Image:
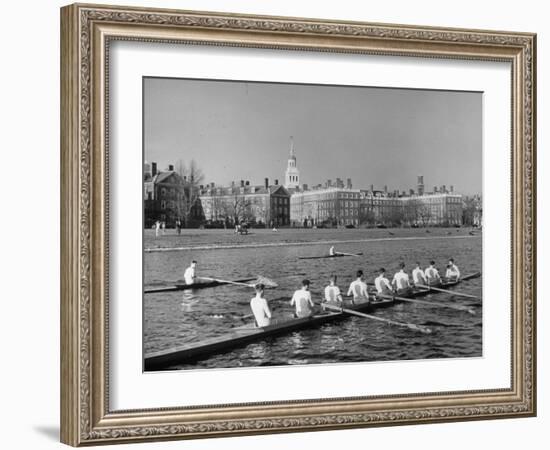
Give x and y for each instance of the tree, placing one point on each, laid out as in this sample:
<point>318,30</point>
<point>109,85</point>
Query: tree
<point>412,211</point>
<point>193,177</point>
<point>425,215</point>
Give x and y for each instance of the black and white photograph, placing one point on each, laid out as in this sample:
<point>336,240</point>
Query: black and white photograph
<point>295,224</point>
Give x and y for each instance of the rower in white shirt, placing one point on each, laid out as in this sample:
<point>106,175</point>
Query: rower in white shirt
<point>359,289</point>
<point>452,273</point>
<point>260,308</point>
<point>302,301</point>
<point>432,275</point>
<point>331,251</point>
<point>401,280</point>
<point>382,284</point>
<point>190,273</point>
<point>332,292</point>
<point>418,275</point>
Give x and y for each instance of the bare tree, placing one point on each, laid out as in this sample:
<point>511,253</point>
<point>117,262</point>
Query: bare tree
<point>425,215</point>
<point>193,177</point>
<point>412,211</point>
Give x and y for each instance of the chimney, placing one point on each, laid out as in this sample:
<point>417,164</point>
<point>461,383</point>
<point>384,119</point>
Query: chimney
<point>452,189</point>
<point>372,187</point>
<point>242,183</point>
<point>153,169</point>
<point>349,185</point>
<point>329,183</point>
<point>443,190</point>
<point>386,189</point>
<point>435,189</point>
<point>411,192</point>
<point>276,182</point>
<point>266,182</point>
<point>247,183</point>
<point>304,187</point>
<point>170,167</point>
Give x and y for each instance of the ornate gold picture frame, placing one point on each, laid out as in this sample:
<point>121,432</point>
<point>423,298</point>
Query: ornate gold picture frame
<point>87,31</point>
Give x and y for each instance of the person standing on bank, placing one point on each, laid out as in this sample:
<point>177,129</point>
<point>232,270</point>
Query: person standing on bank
<point>260,308</point>
<point>302,301</point>
<point>359,290</point>
<point>190,275</point>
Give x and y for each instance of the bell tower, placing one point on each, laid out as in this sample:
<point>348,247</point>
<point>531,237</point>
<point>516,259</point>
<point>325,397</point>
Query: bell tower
<point>292,174</point>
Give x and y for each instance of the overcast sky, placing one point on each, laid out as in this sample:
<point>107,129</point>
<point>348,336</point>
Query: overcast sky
<point>241,130</point>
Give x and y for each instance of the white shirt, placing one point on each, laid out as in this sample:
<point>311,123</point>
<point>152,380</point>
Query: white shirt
<point>452,272</point>
<point>332,293</point>
<point>303,302</point>
<point>382,284</point>
<point>331,251</point>
<point>359,290</point>
<point>432,273</point>
<point>401,280</point>
<point>261,311</point>
<point>189,275</point>
<point>418,276</point>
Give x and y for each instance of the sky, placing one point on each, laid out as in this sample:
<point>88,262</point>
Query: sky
<point>376,136</point>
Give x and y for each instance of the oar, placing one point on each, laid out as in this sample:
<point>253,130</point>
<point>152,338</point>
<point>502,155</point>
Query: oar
<point>423,302</point>
<point>411,326</point>
<point>260,280</point>
<point>461,294</point>
<point>348,254</point>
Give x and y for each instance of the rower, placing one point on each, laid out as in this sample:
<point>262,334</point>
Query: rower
<point>418,275</point>
<point>401,281</point>
<point>452,273</point>
<point>382,284</point>
<point>332,292</point>
<point>302,300</point>
<point>331,251</point>
<point>260,308</point>
<point>432,275</point>
<point>359,290</point>
<point>189,276</point>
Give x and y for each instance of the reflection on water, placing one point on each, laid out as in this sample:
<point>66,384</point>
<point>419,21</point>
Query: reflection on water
<point>181,317</point>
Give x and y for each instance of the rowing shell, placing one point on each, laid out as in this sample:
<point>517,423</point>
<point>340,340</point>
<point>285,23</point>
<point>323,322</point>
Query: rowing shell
<point>336,255</point>
<point>203,285</point>
<point>240,336</point>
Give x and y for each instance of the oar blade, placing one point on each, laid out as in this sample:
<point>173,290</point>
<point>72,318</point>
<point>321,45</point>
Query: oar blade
<point>267,282</point>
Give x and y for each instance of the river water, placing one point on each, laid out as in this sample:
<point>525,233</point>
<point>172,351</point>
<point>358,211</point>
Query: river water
<point>178,318</point>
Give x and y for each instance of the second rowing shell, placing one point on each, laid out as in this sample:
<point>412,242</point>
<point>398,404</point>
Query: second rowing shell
<point>184,287</point>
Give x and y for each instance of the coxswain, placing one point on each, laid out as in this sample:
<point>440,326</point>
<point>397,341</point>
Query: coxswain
<point>190,276</point>
<point>260,308</point>
<point>401,281</point>
<point>419,278</point>
<point>382,284</point>
<point>359,289</point>
<point>432,275</point>
<point>452,273</point>
<point>302,301</point>
<point>332,292</point>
